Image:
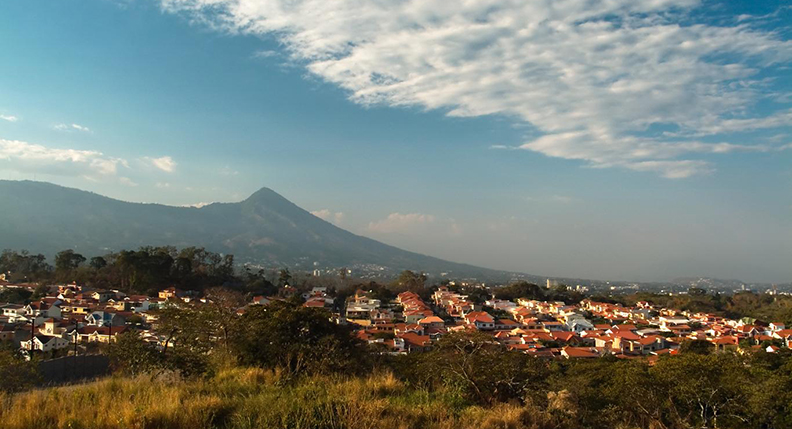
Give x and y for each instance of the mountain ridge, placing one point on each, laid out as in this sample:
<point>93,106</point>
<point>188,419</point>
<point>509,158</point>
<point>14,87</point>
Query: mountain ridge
<point>265,228</point>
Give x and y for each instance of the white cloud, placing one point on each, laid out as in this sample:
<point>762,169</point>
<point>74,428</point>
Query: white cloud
<point>72,127</point>
<point>162,185</point>
<point>400,223</point>
<point>127,181</point>
<point>265,54</point>
<point>165,163</point>
<point>333,217</point>
<point>590,75</point>
<point>29,157</point>
<point>9,118</point>
<point>228,171</point>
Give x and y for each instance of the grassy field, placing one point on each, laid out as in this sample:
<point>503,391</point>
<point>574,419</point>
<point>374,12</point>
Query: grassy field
<point>254,398</point>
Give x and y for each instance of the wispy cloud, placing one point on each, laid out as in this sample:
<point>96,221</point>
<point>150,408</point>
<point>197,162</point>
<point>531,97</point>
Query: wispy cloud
<point>336,218</point>
<point>265,54</point>
<point>72,127</point>
<point>165,163</point>
<point>400,223</point>
<point>590,76</point>
<point>228,171</point>
<point>126,181</point>
<point>29,157</point>
<point>9,118</point>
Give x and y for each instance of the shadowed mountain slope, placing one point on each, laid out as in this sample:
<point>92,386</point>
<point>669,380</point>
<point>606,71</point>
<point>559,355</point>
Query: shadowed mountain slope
<point>265,228</point>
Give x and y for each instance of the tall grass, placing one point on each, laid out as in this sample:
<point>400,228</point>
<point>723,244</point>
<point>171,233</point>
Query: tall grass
<point>242,398</point>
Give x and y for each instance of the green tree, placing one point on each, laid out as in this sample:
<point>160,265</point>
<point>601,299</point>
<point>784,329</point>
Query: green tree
<point>67,261</point>
<point>705,390</point>
<point>701,347</point>
<point>481,370</point>
<point>409,281</point>
<point>15,296</point>
<point>284,277</point>
<point>521,289</point>
<point>129,354</point>
<point>40,292</point>
<point>16,373</point>
<point>97,263</point>
<point>193,337</point>
<point>23,266</point>
<point>255,282</point>
<point>297,339</point>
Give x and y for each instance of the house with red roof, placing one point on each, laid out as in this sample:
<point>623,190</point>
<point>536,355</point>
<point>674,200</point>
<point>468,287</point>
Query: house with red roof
<point>432,322</point>
<point>481,320</point>
<point>580,353</point>
<point>416,343</point>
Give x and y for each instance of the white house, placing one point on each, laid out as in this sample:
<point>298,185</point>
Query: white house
<point>44,343</point>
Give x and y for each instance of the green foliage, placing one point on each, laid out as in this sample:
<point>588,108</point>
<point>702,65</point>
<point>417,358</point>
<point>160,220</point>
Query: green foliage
<point>410,281</point>
<point>67,261</point>
<point>15,372</point>
<point>297,339</point>
<point>24,266</point>
<point>523,289</point>
<point>284,277</point>
<point>477,295</point>
<point>479,370</point>
<point>699,347</point>
<point>97,263</point>
<point>705,390</point>
<point>40,292</point>
<point>192,333</point>
<point>15,296</point>
<point>129,354</point>
<point>256,283</point>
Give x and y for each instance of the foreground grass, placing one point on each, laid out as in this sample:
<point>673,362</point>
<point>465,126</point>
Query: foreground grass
<point>253,398</point>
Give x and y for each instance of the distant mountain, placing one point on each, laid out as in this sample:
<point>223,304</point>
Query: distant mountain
<point>265,228</point>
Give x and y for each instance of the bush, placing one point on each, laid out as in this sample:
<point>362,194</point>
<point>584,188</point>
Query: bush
<point>298,340</point>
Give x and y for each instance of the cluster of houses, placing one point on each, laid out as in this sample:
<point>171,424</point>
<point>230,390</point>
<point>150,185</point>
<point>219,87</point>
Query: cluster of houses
<point>555,329</point>
<point>70,318</point>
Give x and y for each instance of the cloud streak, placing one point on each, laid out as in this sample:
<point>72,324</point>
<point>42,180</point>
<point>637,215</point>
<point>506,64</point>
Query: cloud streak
<point>591,76</point>
<point>165,163</point>
<point>72,127</point>
<point>401,223</point>
<point>9,118</point>
<point>335,218</point>
<point>29,157</point>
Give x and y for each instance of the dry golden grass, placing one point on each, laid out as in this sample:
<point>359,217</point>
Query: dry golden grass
<point>241,398</point>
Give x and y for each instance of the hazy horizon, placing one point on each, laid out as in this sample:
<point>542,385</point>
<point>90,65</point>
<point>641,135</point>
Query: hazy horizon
<point>601,140</point>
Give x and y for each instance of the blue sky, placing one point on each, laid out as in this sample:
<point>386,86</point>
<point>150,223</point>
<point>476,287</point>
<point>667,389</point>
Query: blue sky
<point>613,140</point>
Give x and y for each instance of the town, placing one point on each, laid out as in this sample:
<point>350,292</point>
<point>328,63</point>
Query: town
<point>70,319</point>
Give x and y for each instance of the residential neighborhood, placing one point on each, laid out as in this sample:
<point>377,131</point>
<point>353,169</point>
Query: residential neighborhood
<point>71,319</point>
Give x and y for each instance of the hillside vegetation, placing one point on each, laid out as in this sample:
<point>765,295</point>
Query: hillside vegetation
<point>255,398</point>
